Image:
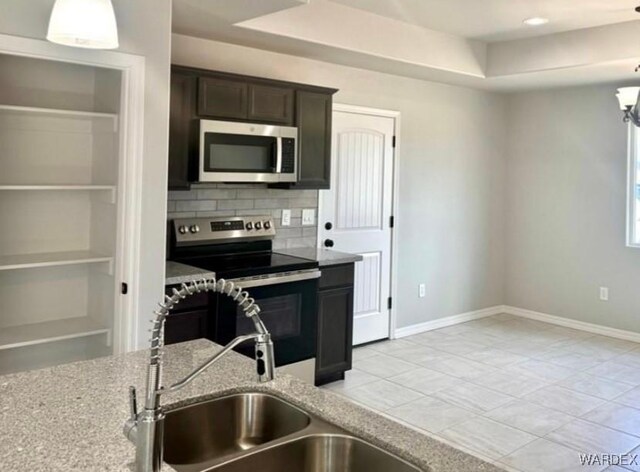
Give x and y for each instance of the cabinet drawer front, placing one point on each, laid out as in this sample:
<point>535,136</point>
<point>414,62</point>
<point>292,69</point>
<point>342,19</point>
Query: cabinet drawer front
<point>199,300</point>
<point>336,276</point>
<point>274,104</point>
<point>219,98</point>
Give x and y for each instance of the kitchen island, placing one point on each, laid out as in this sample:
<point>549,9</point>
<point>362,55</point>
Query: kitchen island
<point>70,417</point>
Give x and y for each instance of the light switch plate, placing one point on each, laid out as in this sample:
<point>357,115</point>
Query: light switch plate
<point>308,216</point>
<point>286,217</point>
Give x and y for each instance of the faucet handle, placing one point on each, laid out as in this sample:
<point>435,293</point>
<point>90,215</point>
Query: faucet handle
<point>133,403</point>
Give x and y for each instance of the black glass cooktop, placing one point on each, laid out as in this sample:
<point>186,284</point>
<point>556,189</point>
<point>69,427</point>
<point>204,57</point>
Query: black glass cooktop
<point>243,265</point>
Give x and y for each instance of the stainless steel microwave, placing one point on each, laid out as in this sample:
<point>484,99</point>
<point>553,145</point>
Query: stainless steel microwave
<point>247,152</point>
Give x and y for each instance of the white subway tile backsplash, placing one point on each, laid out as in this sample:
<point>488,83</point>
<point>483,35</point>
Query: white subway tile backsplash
<point>303,202</point>
<point>220,200</point>
<point>216,194</point>
<point>272,203</point>
<point>196,205</point>
<point>235,204</point>
<point>310,232</point>
<point>215,213</point>
<point>289,232</point>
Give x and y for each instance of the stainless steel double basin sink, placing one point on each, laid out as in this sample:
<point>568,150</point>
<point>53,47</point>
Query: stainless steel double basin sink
<point>257,432</point>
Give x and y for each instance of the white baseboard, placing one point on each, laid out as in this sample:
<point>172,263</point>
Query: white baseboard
<point>447,321</point>
<point>515,311</point>
<point>574,324</point>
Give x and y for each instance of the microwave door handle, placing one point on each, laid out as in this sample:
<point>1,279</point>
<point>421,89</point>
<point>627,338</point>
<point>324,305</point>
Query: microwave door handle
<point>278,155</point>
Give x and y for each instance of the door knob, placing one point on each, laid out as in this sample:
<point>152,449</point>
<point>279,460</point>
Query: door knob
<point>328,225</point>
<point>328,243</point>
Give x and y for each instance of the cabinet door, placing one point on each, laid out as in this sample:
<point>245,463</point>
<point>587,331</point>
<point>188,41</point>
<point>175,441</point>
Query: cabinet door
<point>313,118</point>
<point>181,147</point>
<point>335,331</point>
<point>271,104</point>
<point>186,326</point>
<point>222,98</point>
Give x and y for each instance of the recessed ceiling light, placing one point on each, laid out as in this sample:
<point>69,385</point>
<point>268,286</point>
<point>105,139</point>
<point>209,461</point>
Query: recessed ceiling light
<point>536,21</point>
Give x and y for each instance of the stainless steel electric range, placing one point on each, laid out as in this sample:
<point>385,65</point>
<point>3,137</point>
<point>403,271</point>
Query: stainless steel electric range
<point>285,287</point>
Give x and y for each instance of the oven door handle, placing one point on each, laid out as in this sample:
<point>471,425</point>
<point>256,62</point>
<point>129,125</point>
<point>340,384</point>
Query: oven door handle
<point>276,280</point>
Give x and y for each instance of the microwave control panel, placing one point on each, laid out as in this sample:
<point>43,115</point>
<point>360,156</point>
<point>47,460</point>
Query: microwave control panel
<point>288,155</point>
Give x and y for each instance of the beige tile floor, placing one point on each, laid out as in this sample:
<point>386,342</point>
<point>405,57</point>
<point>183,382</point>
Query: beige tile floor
<point>525,395</point>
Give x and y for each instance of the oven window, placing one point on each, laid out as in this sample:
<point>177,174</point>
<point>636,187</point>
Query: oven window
<point>281,316</point>
<point>239,153</point>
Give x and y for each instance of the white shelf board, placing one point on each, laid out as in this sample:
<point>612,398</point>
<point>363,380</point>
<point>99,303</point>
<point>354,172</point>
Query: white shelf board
<point>51,259</point>
<point>57,112</point>
<point>57,187</point>
<point>49,331</point>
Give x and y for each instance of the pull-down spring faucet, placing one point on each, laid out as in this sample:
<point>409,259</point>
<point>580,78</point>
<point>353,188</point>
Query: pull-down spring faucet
<point>145,428</point>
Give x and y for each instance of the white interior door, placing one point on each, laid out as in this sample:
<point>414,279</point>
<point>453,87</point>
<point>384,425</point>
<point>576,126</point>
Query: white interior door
<point>357,210</point>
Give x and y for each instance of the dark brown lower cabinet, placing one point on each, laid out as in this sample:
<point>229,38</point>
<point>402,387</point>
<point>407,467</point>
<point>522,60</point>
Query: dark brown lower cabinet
<point>186,326</point>
<point>335,323</point>
<point>189,320</point>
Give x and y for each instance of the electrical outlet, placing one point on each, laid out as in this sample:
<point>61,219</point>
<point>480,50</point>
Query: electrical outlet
<point>604,294</point>
<point>286,217</point>
<point>422,290</point>
<point>308,216</point>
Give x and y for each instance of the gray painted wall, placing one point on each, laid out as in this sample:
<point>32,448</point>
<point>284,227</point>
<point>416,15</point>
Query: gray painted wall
<point>450,223</point>
<point>213,200</point>
<point>566,203</point>
<point>145,29</point>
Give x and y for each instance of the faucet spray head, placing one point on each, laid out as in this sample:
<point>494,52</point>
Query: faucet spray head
<point>265,360</point>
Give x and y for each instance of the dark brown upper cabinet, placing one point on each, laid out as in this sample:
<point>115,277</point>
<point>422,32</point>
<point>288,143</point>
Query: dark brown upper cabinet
<point>220,98</point>
<point>241,100</point>
<point>313,117</point>
<point>203,94</point>
<point>181,132</point>
<point>272,104</point>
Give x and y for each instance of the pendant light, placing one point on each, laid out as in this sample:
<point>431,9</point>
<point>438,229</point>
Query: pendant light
<point>83,24</point>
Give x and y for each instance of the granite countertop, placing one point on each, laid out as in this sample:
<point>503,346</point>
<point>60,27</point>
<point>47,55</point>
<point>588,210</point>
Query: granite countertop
<point>324,257</point>
<point>70,417</point>
<point>177,273</point>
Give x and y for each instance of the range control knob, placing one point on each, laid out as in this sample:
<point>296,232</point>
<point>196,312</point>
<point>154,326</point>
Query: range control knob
<point>249,226</point>
<point>267,225</point>
<point>182,229</point>
<point>258,225</point>
<point>194,229</point>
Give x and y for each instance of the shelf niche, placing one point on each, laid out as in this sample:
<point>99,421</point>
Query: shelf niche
<point>59,155</point>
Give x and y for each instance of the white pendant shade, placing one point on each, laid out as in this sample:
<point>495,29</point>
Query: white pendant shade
<point>84,24</point>
<point>628,97</point>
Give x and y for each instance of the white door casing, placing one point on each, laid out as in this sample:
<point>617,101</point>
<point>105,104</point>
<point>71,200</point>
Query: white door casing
<point>359,206</point>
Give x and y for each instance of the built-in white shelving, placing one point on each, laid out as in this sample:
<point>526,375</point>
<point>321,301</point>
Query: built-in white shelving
<point>58,187</point>
<point>49,331</point>
<point>57,112</point>
<point>59,211</point>
<point>51,259</point>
